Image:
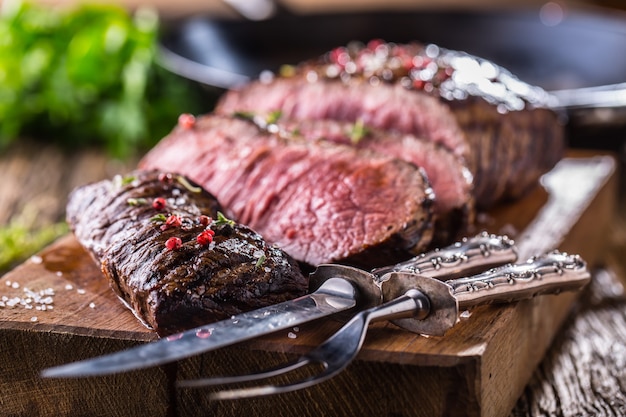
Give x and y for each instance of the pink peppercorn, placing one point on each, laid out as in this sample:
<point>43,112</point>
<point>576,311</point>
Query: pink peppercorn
<point>205,237</point>
<point>173,243</point>
<point>186,120</point>
<point>204,220</point>
<point>158,203</point>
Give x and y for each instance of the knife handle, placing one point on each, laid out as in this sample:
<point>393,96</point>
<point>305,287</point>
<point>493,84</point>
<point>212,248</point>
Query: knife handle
<point>551,273</point>
<point>470,255</point>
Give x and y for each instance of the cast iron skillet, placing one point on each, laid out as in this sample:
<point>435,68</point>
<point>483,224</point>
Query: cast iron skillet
<point>581,58</point>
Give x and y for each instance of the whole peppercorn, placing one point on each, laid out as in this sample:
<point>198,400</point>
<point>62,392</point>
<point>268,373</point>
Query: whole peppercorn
<point>173,243</point>
<point>158,203</point>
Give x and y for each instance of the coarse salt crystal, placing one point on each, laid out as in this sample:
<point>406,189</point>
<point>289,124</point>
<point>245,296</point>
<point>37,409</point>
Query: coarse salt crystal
<point>34,319</point>
<point>92,305</point>
<point>59,273</point>
<point>2,304</point>
<point>36,259</point>
<point>81,291</point>
<point>291,335</point>
<point>8,283</point>
<point>15,285</point>
<point>69,287</point>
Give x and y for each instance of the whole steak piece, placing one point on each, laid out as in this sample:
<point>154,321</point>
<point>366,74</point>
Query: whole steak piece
<point>498,125</point>
<point>320,202</point>
<point>172,257</point>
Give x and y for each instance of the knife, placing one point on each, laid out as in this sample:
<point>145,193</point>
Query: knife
<point>336,288</point>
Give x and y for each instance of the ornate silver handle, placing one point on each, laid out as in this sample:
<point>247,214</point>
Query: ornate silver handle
<point>470,255</point>
<point>551,273</point>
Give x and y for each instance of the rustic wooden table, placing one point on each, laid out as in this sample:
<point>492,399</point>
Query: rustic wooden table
<point>583,374</point>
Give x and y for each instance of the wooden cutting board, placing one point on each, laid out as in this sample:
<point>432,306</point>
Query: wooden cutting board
<point>64,311</point>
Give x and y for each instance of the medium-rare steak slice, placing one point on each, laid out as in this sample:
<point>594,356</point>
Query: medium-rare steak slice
<point>319,202</point>
<point>449,177</point>
<point>499,125</point>
<point>172,257</point>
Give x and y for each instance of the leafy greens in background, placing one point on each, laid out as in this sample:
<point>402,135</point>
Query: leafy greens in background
<point>87,75</point>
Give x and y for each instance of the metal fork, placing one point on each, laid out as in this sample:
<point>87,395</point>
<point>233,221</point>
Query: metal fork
<point>422,305</point>
<point>334,354</point>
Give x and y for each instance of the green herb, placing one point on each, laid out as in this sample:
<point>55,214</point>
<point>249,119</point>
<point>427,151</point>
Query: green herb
<point>358,131</point>
<point>260,262</point>
<point>158,218</point>
<point>87,75</point>
<point>246,115</point>
<point>185,183</point>
<point>136,201</point>
<point>19,240</point>
<point>273,117</point>
<point>223,220</point>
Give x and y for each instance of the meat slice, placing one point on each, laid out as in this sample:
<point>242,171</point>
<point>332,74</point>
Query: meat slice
<point>498,125</point>
<point>319,202</point>
<point>130,226</point>
<point>450,179</point>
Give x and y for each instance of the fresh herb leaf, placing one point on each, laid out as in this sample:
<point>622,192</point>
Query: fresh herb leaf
<point>185,183</point>
<point>273,117</point>
<point>223,220</point>
<point>260,262</point>
<point>158,218</point>
<point>18,240</point>
<point>358,131</point>
<point>87,75</point>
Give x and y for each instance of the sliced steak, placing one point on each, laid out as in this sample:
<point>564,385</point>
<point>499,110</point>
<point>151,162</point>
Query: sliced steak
<point>132,236</point>
<point>498,125</point>
<point>319,202</point>
<point>450,178</point>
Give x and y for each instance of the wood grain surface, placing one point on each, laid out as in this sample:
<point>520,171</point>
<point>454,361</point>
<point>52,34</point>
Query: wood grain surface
<point>582,373</point>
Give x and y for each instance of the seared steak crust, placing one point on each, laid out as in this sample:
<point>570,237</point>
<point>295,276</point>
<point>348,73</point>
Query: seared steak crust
<point>319,202</point>
<point>176,288</point>
<point>499,126</point>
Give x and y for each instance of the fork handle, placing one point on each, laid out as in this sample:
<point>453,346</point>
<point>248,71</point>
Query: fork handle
<point>551,273</point>
<point>470,255</point>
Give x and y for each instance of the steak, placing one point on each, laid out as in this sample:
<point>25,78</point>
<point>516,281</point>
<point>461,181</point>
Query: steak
<point>499,126</point>
<point>450,179</point>
<point>131,226</point>
<point>320,202</point>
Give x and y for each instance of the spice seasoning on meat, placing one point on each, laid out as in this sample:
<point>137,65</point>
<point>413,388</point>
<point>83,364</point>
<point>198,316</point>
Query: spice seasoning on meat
<point>173,243</point>
<point>158,203</point>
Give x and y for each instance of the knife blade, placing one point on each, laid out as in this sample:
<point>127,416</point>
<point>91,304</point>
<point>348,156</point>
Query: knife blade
<point>335,288</point>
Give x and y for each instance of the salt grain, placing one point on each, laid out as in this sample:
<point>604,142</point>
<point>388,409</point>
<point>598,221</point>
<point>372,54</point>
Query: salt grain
<point>36,259</point>
<point>465,315</point>
<point>69,287</point>
<point>15,285</point>
<point>92,305</point>
<point>34,319</point>
<point>8,283</point>
<point>59,273</point>
<point>81,291</point>
<point>292,335</point>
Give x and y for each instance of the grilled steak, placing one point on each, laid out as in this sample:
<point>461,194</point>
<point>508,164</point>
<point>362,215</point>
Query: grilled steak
<point>450,179</point>
<point>499,126</point>
<point>320,202</point>
<point>218,268</point>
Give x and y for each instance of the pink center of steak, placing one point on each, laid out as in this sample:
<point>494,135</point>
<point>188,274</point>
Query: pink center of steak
<point>320,203</point>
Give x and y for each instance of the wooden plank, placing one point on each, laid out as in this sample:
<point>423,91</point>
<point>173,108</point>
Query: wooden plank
<point>479,369</point>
